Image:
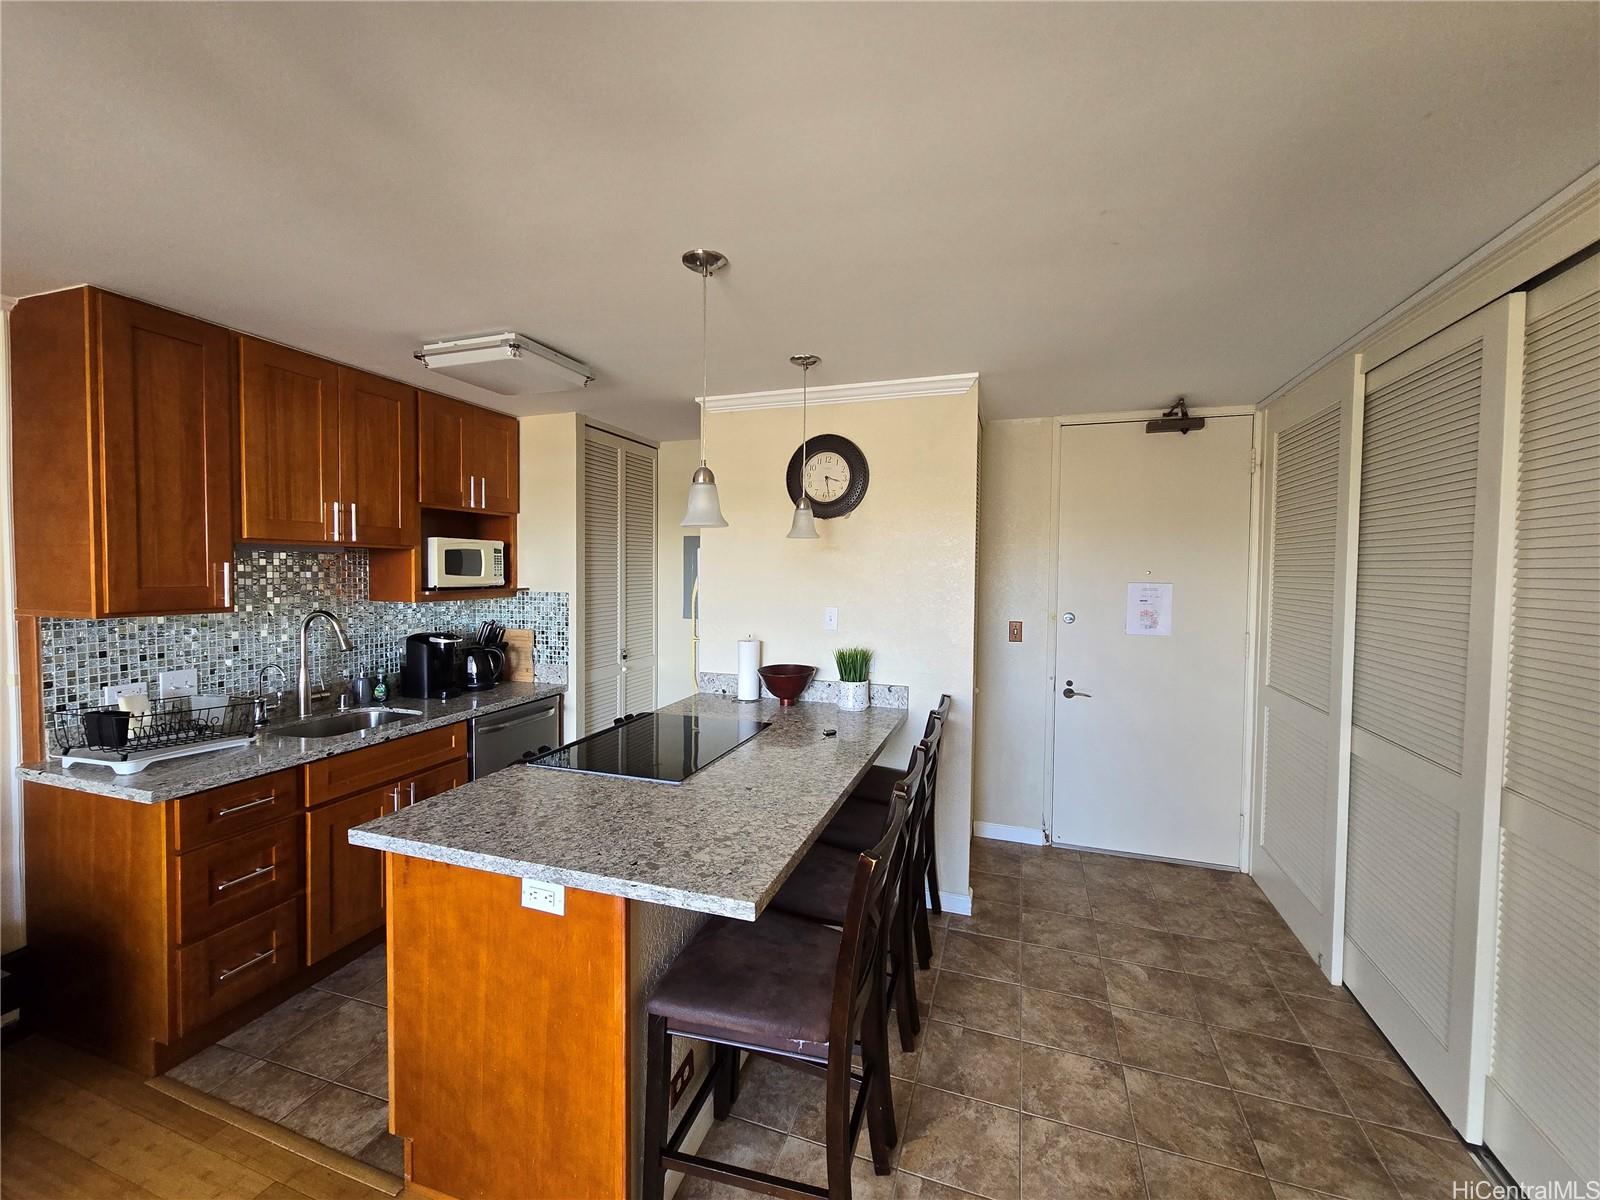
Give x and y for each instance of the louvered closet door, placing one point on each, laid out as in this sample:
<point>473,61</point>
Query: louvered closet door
<point>1298,852</point>
<point>1430,631</point>
<point>619,579</point>
<point>638,579</point>
<point>1542,1107</point>
<point>602,583</point>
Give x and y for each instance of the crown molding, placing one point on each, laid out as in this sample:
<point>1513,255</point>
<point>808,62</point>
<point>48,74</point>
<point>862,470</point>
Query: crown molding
<point>846,393</point>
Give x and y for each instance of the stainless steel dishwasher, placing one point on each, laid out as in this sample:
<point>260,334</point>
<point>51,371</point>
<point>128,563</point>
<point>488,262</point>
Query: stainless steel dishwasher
<point>499,739</point>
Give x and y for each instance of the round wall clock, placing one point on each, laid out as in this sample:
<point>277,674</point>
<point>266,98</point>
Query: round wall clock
<point>835,473</point>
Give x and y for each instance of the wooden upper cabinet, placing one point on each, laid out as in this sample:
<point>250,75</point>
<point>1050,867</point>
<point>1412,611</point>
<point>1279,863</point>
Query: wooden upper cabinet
<point>377,460</point>
<point>468,457</point>
<point>289,444</point>
<point>122,458</point>
<point>441,451</point>
<point>495,443</point>
<point>328,453</point>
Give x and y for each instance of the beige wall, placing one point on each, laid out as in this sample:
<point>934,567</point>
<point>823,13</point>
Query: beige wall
<point>901,570</point>
<point>548,527</point>
<point>674,667</point>
<point>1015,562</point>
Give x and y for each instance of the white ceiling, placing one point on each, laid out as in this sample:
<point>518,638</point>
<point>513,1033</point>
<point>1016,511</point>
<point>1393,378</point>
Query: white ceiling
<point>1095,206</point>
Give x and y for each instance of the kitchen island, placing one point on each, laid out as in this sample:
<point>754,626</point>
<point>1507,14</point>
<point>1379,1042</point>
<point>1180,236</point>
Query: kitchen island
<point>516,1034</point>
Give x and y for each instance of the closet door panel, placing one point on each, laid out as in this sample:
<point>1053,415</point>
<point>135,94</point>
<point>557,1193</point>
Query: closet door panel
<point>1543,1094</point>
<point>1430,633</point>
<point>602,584</point>
<point>639,579</point>
<point>1302,693</point>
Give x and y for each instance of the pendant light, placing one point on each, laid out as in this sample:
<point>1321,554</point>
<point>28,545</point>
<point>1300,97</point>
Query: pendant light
<point>803,525</point>
<point>704,510</point>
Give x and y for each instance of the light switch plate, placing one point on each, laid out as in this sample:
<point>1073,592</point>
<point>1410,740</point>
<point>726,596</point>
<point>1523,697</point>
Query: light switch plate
<point>116,691</point>
<point>830,618</point>
<point>178,683</point>
<point>1016,631</point>
<point>544,897</point>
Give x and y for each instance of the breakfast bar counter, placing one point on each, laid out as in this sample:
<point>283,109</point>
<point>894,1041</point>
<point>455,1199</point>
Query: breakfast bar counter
<point>515,1030</point>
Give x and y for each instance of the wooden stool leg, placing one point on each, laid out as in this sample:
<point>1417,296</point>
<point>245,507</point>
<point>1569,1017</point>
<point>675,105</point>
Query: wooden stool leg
<point>657,1072</point>
<point>725,1062</point>
<point>881,1131</point>
<point>933,870</point>
<point>905,985</point>
<point>836,1123</point>
<point>919,910</point>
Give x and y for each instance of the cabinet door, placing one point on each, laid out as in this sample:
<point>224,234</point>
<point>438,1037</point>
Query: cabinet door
<point>168,461</point>
<point>344,883</point>
<point>426,784</point>
<point>441,448</point>
<point>377,460</point>
<point>289,444</point>
<point>492,457</point>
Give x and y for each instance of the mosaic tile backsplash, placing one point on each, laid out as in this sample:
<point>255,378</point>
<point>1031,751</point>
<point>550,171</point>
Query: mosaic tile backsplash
<point>273,591</point>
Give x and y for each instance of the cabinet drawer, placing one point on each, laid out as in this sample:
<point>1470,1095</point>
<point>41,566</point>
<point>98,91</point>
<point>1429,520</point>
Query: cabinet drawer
<point>225,811</point>
<point>362,769</point>
<point>242,961</point>
<point>230,880</point>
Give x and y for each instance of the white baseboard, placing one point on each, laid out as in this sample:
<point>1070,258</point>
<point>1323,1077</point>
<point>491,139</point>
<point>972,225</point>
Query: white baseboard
<point>959,903</point>
<point>1027,835</point>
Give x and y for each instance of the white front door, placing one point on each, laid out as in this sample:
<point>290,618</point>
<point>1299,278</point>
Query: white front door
<point>1150,724</point>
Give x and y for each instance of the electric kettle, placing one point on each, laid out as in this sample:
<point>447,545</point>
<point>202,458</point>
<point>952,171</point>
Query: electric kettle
<point>484,665</point>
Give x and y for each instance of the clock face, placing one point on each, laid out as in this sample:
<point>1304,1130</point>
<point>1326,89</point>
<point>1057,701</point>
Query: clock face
<point>834,475</point>
<point>827,477</point>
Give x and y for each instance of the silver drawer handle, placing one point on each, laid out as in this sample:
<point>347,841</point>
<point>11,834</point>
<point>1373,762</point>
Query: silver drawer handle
<point>256,874</point>
<point>228,812</point>
<point>224,976</point>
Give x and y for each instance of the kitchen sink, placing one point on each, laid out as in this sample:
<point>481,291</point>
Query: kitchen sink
<point>333,724</point>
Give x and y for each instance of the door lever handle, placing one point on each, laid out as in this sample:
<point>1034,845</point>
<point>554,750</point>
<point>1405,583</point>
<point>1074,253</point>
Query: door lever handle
<point>1072,693</point>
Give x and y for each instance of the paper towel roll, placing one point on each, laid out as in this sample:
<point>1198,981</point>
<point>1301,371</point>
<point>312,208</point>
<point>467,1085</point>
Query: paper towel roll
<point>749,664</point>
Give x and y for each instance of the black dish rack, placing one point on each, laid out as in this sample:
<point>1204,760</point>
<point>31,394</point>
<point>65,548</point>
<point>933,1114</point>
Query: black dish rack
<point>169,725</point>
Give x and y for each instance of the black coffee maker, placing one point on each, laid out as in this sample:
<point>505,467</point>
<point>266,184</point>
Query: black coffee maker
<point>434,666</point>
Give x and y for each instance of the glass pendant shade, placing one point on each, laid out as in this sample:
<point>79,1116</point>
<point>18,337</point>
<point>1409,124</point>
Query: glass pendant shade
<point>803,525</point>
<point>704,510</point>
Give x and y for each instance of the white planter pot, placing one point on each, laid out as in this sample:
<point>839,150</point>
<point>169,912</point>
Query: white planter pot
<point>854,697</point>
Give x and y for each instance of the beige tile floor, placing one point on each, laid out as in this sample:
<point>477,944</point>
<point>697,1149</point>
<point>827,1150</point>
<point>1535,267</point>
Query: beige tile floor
<point>317,1064</point>
<point>1111,1028</point>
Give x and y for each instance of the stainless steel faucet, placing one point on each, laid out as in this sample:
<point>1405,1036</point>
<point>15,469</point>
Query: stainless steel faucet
<point>264,707</point>
<point>303,693</point>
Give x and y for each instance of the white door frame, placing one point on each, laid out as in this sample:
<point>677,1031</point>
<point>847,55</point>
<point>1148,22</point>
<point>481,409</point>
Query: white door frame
<point>1251,583</point>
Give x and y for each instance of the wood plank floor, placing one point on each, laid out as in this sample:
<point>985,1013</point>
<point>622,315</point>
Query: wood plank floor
<point>73,1126</point>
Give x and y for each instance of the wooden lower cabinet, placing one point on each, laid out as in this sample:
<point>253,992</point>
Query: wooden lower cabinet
<point>157,928</point>
<point>238,964</point>
<point>344,883</point>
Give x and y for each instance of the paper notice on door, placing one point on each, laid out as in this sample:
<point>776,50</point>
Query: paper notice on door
<point>1149,610</point>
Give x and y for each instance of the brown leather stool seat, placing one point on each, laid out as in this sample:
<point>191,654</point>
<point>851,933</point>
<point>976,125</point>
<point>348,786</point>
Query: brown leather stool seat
<point>819,889</point>
<point>878,784</point>
<point>765,983</point>
<point>857,825</point>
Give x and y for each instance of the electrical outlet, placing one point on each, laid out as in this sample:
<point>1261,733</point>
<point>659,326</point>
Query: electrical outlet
<point>1016,631</point>
<point>830,619</point>
<point>116,691</point>
<point>544,897</point>
<point>681,1079</point>
<point>178,683</point>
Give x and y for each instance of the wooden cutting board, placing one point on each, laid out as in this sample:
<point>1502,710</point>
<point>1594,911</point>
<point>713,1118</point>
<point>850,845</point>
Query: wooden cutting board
<point>519,645</point>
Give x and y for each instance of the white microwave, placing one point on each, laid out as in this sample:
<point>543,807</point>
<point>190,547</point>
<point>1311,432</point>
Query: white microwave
<point>465,563</point>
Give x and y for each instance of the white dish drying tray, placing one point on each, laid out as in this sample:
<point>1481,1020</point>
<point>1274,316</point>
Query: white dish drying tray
<point>129,741</point>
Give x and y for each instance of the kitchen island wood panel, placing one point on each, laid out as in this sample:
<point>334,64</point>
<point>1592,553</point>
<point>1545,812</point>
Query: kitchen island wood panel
<point>508,1030</point>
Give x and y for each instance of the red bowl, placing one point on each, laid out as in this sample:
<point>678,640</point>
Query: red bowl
<point>787,680</point>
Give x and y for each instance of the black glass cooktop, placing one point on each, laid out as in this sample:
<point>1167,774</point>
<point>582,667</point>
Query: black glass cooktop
<point>664,747</point>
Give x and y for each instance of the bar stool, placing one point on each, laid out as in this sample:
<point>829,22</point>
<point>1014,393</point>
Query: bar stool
<point>860,821</point>
<point>819,890</point>
<point>795,991</point>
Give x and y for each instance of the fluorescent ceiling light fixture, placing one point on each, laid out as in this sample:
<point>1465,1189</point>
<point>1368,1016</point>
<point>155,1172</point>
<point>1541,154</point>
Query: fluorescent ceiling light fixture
<point>508,364</point>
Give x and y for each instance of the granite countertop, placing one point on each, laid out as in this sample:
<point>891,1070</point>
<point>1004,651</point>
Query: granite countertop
<point>721,842</point>
<point>184,776</point>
